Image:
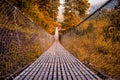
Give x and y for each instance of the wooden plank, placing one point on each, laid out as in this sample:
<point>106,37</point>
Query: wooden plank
<point>42,70</point>
<point>47,71</point>
<point>25,73</point>
<point>39,71</point>
<point>59,70</point>
<point>70,69</point>
<point>64,76</point>
<point>81,75</point>
<point>55,69</point>
<point>57,64</point>
<point>87,72</point>
<point>51,70</point>
<point>77,73</point>
<point>33,72</point>
<point>67,71</point>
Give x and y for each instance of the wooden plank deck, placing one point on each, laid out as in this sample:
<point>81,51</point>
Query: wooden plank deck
<point>57,64</point>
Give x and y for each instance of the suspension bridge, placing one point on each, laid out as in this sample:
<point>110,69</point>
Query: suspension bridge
<point>19,37</point>
<point>57,64</point>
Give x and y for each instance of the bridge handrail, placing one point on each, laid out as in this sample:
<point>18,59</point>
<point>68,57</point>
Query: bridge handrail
<point>90,15</point>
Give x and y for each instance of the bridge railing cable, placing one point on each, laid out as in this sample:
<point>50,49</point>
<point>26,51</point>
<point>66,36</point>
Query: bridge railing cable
<point>96,40</point>
<point>21,40</point>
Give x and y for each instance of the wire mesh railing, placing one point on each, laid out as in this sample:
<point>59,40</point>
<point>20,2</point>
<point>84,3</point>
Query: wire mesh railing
<point>21,40</point>
<point>96,40</point>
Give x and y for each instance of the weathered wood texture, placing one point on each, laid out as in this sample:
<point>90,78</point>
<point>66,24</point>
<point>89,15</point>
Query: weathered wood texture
<point>57,64</point>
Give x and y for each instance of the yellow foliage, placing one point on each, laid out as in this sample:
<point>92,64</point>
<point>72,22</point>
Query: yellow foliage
<point>92,47</point>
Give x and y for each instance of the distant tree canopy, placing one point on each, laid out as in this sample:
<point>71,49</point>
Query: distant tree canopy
<point>42,12</point>
<point>74,10</point>
<point>78,7</point>
<point>112,31</point>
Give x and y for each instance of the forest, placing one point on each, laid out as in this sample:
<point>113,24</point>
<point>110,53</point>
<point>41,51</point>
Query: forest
<point>95,42</point>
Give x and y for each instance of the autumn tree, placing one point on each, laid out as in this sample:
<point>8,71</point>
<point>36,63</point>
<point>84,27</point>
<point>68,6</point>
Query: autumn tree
<point>42,12</point>
<point>112,30</point>
<point>74,10</point>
